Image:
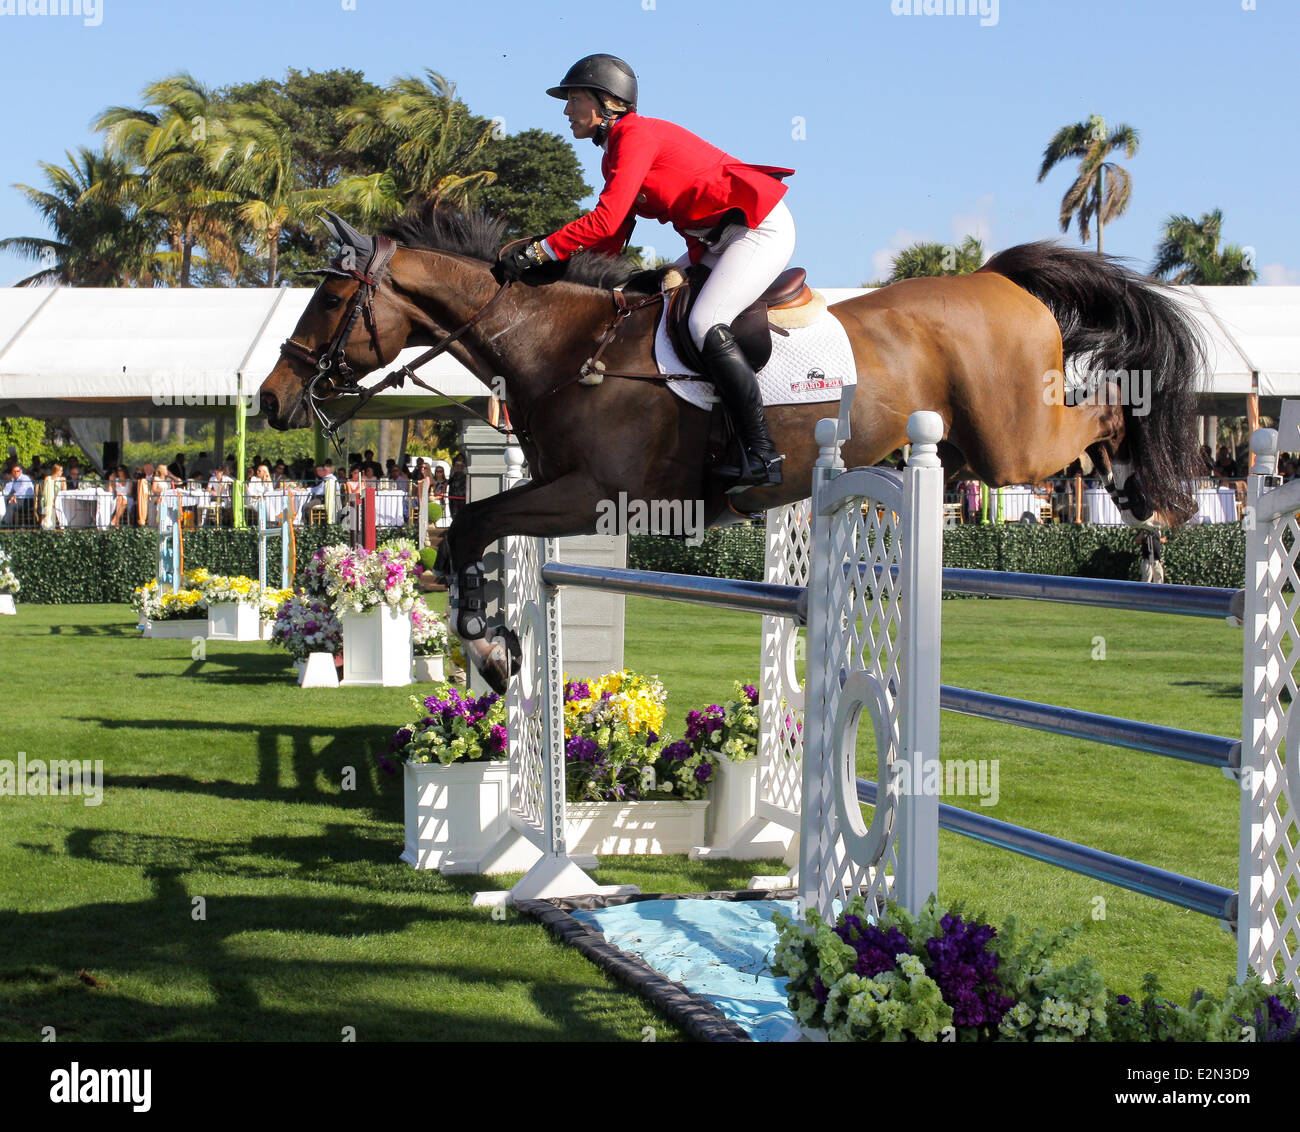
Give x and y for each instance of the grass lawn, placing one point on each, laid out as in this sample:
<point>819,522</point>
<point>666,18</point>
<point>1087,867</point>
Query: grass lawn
<point>224,781</point>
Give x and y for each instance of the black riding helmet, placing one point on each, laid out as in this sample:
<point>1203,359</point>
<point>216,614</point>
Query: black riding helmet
<point>607,74</point>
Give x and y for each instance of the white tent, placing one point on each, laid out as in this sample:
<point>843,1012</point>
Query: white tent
<point>173,352</point>
<point>83,351</point>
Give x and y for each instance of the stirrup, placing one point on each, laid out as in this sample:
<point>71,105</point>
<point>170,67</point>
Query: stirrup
<point>757,473</point>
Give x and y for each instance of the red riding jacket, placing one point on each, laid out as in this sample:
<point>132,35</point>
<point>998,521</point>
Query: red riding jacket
<point>658,170</point>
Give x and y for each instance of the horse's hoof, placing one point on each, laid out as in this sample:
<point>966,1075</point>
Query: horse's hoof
<point>510,639</point>
<point>492,659</point>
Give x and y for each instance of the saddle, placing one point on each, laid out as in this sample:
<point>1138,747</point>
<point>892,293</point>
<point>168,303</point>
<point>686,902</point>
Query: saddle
<point>752,328</point>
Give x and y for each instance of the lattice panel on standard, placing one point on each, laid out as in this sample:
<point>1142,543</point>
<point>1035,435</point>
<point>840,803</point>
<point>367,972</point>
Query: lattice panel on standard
<point>1269,903</point>
<point>781,703</point>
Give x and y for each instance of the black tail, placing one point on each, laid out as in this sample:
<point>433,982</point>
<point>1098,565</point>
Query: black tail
<point>1125,321</point>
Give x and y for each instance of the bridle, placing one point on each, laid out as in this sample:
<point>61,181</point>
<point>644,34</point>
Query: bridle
<point>333,377</point>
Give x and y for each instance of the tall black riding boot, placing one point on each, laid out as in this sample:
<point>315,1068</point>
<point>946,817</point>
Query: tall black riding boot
<point>729,370</point>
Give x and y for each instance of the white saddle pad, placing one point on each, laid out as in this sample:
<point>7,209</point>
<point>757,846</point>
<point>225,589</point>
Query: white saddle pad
<point>812,365</point>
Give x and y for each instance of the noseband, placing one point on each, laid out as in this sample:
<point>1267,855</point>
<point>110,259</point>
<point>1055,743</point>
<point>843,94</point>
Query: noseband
<point>333,377</point>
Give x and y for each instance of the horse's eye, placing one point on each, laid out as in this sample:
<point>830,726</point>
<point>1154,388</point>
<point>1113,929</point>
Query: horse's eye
<point>329,302</point>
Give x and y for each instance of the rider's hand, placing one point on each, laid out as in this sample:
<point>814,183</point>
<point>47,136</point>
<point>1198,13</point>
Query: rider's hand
<point>519,257</point>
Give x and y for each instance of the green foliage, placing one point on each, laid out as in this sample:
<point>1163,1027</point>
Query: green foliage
<point>1189,253</point>
<point>61,567</point>
<point>927,259</point>
<point>725,552</point>
<point>538,182</point>
<point>1211,554</point>
<point>25,435</point>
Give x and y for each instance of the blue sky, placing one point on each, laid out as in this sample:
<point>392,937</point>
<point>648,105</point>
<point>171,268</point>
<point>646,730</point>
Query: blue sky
<point>901,126</point>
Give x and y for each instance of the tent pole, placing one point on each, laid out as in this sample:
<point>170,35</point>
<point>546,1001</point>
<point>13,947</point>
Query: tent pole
<point>241,432</point>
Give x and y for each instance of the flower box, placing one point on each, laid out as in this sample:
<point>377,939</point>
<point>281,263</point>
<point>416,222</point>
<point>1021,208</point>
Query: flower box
<point>458,819</point>
<point>634,827</point>
<point>429,669</point>
<point>234,621</point>
<point>319,670</point>
<point>7,603</point>
<point>267,628</point>
<point>181,629</point>
<point>377,648</point>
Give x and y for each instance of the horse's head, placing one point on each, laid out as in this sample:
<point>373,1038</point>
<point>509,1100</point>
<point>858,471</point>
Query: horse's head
<point>353,325</point>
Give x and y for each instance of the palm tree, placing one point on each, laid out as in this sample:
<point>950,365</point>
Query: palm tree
<point>1188,252</point>
<point>254,155</point>
<point>1092,196</point>
<point>167,138</point>
<point>432,142</point>
<point>100,237</point>
<point>922,259</point>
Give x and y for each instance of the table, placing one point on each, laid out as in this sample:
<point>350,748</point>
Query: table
<point>84,507</point>
<point>390,507</point>
<point>1099,507</point>
<point>1017,500</point>
<point>1215,505</point>
<point>297,499</point>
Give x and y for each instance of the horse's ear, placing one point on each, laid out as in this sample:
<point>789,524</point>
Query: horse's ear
<point>346,235</point>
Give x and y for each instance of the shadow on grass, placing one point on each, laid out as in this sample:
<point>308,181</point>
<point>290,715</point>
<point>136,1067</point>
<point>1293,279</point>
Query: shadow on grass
<point>345,749</point>
<point>71,630</point>
<point>158,941</point>
<point>1220,689</point>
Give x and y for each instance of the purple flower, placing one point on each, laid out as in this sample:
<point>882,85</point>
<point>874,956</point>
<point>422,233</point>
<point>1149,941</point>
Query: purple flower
<point>679,750</point>
<point>497,739</point>
<point>751,693</point>
<point>703,772</point>
<point>1122,999</point>
<point>580,749</point>
<point>577,690</point>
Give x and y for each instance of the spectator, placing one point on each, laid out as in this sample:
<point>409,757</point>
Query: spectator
<point>279,474</point>
<point>19,496</point>
<point>202,467</point>
<point>51,485</point>
<point>178,466</point>
<point>1152,567</point>
<point>74,475</point>
<point>456,486</point>
<point>119,483</point>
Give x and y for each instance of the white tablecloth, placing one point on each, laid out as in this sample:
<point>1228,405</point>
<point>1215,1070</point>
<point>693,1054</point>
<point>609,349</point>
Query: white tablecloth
<point>297,499</point>
<point>1215,505</point>
<point>1099,507</point>
<point>84,507</point>
<point>390,508</point>
<point>1018,499</point>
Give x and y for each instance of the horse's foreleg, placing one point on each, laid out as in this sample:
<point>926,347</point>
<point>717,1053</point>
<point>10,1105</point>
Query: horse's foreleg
<point>565,506</point>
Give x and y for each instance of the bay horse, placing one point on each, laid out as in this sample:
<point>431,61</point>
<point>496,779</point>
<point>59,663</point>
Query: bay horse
<point>988,351</point>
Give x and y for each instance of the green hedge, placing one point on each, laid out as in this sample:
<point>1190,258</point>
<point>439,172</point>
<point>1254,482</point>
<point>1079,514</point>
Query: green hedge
<point>59,567</point>
<point>724,552</point>
<point>105,566</point>
<point>1212,554</point>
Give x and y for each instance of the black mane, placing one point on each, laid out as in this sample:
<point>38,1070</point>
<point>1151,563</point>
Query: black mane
<point>475,234</point>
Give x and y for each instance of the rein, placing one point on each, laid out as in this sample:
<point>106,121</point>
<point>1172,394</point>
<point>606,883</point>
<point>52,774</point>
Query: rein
<point>333,356</point>
<point>324,387</point>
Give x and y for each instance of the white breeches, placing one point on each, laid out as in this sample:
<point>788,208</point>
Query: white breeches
<point>744,264</point>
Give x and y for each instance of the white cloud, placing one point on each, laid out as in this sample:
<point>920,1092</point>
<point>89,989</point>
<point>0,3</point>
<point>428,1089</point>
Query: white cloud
<point>977,222</point>
<point>882,261</point>
<point>1279,275</point>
